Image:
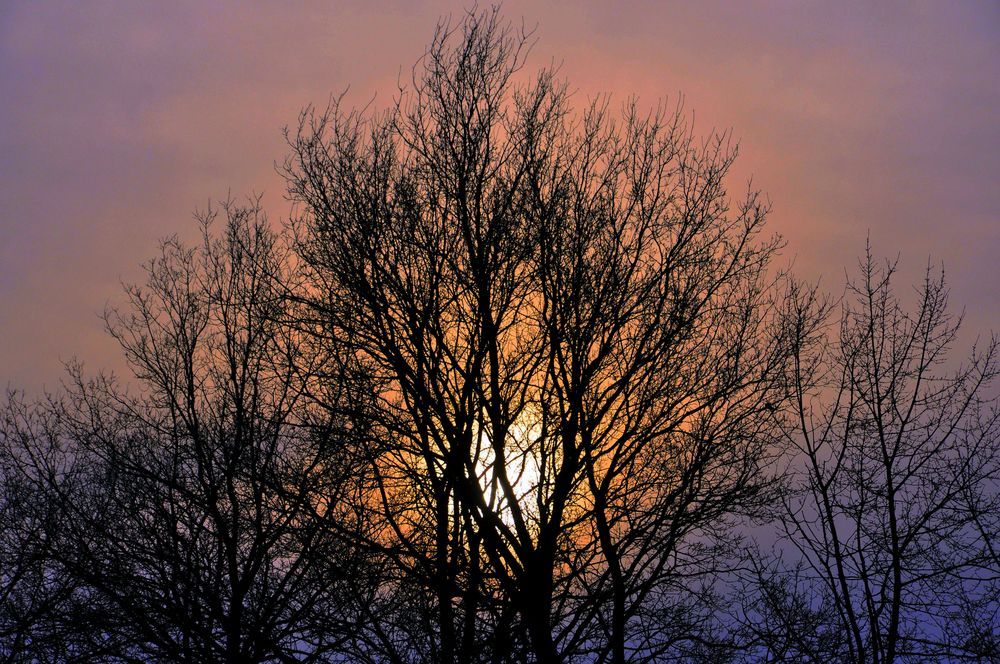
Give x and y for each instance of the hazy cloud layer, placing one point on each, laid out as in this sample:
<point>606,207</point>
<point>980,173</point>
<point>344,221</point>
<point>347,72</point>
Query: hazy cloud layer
<point>117,120</point>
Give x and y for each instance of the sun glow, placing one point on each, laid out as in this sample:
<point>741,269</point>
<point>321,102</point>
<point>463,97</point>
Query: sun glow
<point>512,464</point>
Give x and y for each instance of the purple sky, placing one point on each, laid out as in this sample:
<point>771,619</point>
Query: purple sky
<point>118,119</point>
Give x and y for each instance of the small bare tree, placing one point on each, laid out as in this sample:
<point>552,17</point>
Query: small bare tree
<point>201,515</point>
<point>36,596</point>
<point>893,520</point>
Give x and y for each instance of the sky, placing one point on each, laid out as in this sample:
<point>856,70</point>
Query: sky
<point>118,120</point>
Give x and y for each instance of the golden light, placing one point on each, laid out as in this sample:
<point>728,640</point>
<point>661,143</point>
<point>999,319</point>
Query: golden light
<point>517,463</point>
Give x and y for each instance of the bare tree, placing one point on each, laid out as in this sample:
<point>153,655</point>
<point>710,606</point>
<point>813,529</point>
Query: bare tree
<point>201,514</point>
<point>900,470</point>
<point>577,342</point>
<point>35,595</point>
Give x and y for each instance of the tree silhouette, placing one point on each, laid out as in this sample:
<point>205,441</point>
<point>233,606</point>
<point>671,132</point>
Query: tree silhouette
<point>196,513</point>
<point>37,597</point>
<point>577,344</point>
<point>899,468</point>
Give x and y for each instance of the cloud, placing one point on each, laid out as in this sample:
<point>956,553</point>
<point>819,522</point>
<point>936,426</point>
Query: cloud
<point>118,120</point>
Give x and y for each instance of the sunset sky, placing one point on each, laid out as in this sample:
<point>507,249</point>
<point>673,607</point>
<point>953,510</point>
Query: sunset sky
<point>119,119</point>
